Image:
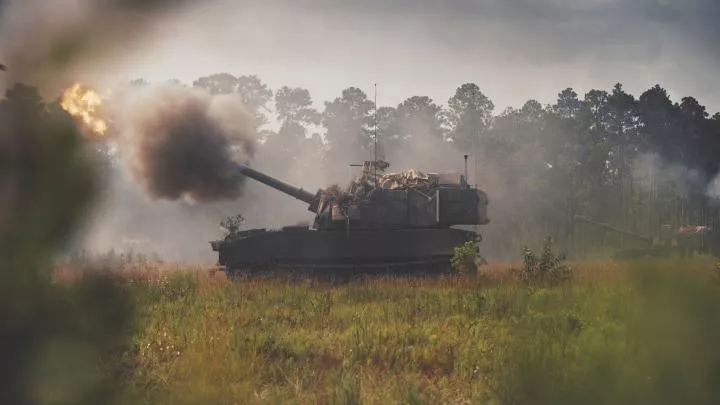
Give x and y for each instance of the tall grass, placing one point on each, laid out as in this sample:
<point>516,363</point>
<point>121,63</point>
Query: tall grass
<point>645,333</point>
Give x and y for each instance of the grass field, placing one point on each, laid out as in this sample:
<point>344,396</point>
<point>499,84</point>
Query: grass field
<point>615,334</point>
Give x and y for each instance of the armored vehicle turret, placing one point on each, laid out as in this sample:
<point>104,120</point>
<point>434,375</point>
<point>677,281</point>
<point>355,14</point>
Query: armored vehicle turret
<point>397,222</point>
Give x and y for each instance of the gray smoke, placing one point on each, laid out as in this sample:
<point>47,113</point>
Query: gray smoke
<point>180,142</point>
<point>170,184</point>
<point>50,44</point>
<point>44,42</point>
<point>713,189</point>
<point>650,170</point>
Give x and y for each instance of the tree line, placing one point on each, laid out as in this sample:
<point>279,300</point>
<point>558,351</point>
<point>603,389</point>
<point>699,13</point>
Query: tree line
<point>635,162</point>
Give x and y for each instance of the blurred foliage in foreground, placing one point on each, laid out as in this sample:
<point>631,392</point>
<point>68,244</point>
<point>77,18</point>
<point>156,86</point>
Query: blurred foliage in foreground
<point>56,342</point>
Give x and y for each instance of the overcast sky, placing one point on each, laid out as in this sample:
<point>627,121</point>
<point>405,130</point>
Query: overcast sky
<point>513,49</point>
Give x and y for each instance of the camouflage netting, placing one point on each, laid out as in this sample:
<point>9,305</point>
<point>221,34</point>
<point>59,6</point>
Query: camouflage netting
<point>409,178</point>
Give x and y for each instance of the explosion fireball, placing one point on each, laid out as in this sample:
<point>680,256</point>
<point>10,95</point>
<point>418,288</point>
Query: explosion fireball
<point>83,103</point>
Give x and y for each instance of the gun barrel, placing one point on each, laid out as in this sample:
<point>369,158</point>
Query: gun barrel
<point>296,192</point>
<point>645,238</point>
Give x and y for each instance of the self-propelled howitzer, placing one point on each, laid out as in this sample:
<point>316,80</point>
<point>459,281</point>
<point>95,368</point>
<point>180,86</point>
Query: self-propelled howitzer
<point>396,221</point>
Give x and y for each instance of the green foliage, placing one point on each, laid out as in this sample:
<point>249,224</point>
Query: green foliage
<point>232,225</point>
<point>58,344</point>
<point>347,121</point>
<point>469,113</point>
<point>254,94</point>
<point>291,150</point>
<point>465,258</point>
<point>547,269</point>
<point>653,342</point>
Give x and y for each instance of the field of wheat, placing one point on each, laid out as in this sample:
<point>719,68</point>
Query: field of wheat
<point>615,333</point>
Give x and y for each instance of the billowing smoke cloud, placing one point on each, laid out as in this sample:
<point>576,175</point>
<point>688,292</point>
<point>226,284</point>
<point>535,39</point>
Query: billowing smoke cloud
<point>181,142</point>
<point>50,44</point>
<point>170,182</point>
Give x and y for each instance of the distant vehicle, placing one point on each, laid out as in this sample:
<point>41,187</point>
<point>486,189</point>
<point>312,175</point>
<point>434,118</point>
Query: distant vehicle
<point>684,241</point>
<point>382,222</point>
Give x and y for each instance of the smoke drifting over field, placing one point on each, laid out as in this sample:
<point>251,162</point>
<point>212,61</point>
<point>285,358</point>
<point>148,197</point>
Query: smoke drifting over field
<point>713,188</point>
<point>177,141</point>
<point>650,169</point>
<point>171,181</point>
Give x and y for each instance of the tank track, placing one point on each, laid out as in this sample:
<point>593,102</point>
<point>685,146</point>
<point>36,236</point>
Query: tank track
<point>345,271</point>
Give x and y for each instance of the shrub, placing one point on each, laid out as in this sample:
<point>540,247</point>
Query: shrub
<point>549,268</point>
<point>232,225</point>
<point>654,343</point>
<point>465,258</point>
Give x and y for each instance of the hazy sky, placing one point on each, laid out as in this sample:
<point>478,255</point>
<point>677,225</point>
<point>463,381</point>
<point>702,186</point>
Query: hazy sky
<point>513,49</point>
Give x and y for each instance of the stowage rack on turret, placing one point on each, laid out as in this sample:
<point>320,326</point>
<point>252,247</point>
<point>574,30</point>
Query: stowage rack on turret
<point>397,222</point>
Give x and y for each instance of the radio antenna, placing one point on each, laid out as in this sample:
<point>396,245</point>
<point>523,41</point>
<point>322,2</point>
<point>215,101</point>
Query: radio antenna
<point>375,138</point>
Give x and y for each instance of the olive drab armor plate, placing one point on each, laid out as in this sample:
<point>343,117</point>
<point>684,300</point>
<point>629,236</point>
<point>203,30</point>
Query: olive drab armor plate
<point>379,220</point>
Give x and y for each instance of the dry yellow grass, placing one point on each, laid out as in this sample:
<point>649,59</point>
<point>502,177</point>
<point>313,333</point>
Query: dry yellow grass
<point>493,273</point>
<point>151,272</point>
